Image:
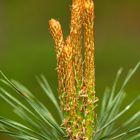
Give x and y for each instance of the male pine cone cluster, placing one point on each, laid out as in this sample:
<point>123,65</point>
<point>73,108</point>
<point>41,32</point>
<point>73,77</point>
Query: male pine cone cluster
<point>76,77</point>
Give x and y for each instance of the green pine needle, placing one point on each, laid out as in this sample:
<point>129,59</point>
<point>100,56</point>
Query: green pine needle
<point>43,126</point>
<point>110,112</point>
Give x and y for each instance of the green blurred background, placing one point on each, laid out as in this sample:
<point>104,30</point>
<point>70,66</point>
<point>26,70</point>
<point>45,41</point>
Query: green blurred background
<point>27,49</point>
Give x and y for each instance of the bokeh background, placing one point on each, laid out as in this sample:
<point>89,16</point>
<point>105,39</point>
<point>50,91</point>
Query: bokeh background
<point>27,49</point>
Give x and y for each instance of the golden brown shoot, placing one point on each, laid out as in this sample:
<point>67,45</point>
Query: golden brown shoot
<point>75,35</point>
<point>57,34</point>
<point>89,75</point>
<point>76,89</point>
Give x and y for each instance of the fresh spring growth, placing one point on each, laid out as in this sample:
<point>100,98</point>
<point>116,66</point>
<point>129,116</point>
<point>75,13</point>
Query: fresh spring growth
<point>76,77</point>
<point>76,91</point>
